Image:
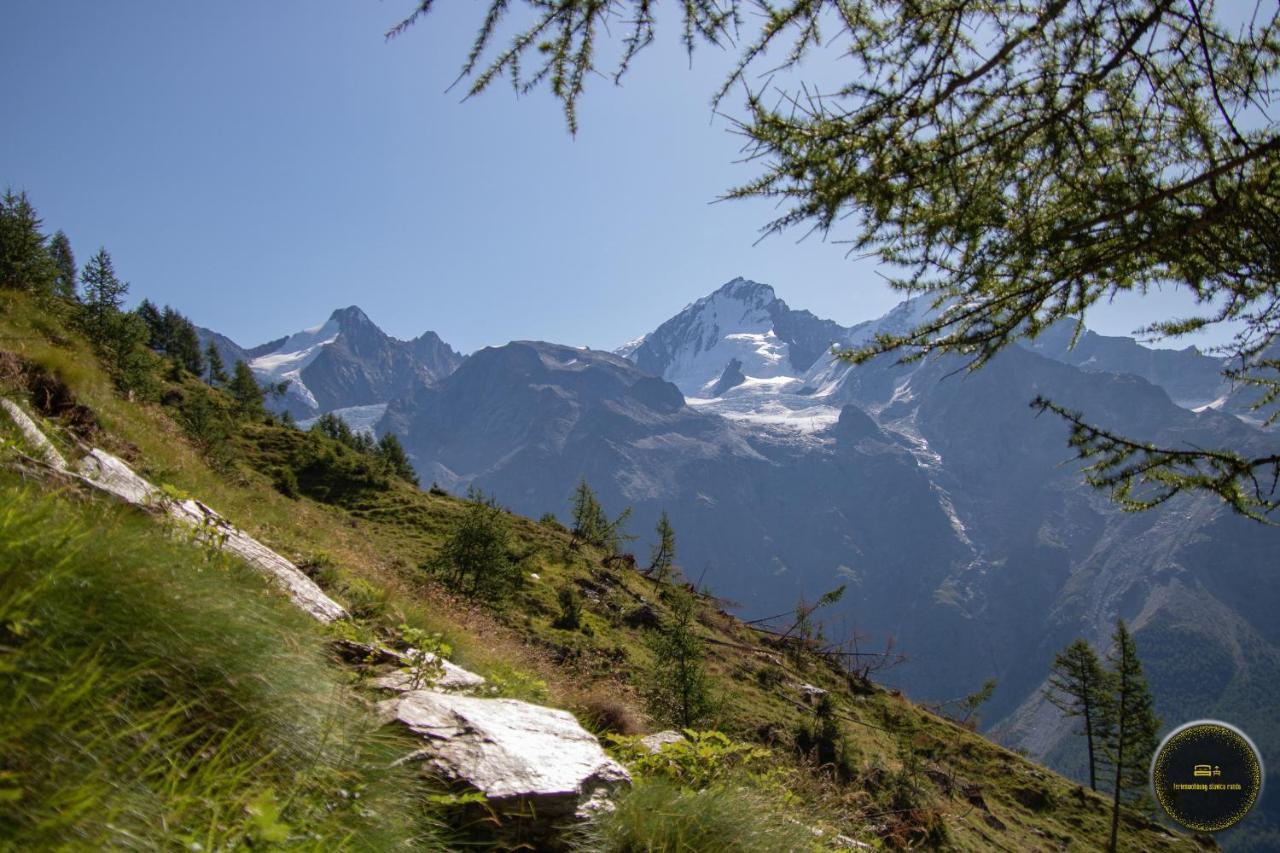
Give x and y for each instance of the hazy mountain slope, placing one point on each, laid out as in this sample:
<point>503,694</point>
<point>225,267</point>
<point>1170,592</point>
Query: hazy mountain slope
<point>1190,377</point>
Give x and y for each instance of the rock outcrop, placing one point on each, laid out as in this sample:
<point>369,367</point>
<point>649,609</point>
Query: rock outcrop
<point>517,754</point>
<point>41,445</point>
<point>655,742</point>
<point>107,473</point>
<point>112,475</point>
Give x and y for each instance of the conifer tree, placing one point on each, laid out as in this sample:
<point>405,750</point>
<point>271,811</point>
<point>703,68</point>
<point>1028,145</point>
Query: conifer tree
<point>217,370</point>
<point>663,557</point>
<point>247,393</point>
<point>103,295</point>
<point>475,558</point>
<point>64,261</point>
<point>176,337</point>
<point>1132,741</point>
<point>25,263</point>
<point>186,347</point>
<point>121,337</point>
<point>824,740</point>
<point>679,691</point>
<point>588,516</point>
<point>1080,687</point>
<point>391,451</point>
<point>150,315</point>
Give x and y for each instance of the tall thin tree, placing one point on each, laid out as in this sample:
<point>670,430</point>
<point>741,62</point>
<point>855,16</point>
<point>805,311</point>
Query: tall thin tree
<point>64,284</point>
<point>25,263</point>
<point>663,557</point>
<point>679,691</point>
<point>1080,687</point>
<point>247,392</point>
<point>1133,740</point>
<point>217,369</point>
<point>103,296</point>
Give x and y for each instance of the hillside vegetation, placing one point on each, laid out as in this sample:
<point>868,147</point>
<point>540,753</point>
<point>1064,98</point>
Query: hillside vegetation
<point>153,691</point>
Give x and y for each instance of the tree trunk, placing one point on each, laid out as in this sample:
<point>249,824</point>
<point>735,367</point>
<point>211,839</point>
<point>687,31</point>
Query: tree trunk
<point>1120,714</point>
<point>1088,736</point>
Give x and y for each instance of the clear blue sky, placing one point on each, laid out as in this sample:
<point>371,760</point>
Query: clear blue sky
<point>258,164</point>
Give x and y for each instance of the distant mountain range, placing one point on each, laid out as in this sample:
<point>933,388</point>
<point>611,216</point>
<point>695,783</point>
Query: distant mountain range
<point>345,363</point>
<point>953,513</point>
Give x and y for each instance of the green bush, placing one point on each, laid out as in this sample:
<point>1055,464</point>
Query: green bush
<point>570,618</point>
<point>699,760</point>
<point>476,558</point>
<point>365,601</point>
<point>658,815</point>
<point>155,695</point>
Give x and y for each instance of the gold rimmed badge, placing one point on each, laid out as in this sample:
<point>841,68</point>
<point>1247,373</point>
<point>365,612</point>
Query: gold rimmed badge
<point>1207,775</point>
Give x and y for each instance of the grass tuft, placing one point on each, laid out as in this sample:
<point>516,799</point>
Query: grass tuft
<point>660,816</point>
<point>150,689</point>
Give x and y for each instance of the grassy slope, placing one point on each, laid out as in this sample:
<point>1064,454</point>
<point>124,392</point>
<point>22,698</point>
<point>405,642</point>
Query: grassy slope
<point>969,793</point>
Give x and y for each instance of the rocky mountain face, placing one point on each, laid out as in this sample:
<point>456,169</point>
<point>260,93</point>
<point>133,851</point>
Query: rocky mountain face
<point>1190,378</point>
<point>346,364</point>
<point>766,519</point>
<point>954,513</point>
<point>743,321</point>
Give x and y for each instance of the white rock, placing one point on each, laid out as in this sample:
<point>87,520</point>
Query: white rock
<point>809,691</point>
<point>110,474</point>
<point>511,751</point>
<point>656,741</point>
<point>452,677</point>
<point>39,443</point>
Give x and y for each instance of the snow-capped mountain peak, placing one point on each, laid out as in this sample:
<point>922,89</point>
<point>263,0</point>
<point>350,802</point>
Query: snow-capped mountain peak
<point>742,322</point>
<point>346,363</point>
<point>287,361</point>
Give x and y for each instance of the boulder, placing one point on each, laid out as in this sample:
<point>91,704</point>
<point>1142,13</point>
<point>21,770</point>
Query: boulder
<point>43,448</point>
<point>528,757</point>
<point>656,741</point>
<point>810,692</point>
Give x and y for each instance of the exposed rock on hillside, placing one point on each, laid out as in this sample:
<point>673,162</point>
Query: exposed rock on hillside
<point>515,753</point>
<point>110,474</point>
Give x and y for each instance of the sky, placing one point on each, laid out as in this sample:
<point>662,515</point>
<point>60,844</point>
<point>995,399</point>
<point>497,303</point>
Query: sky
<point>257,165</point>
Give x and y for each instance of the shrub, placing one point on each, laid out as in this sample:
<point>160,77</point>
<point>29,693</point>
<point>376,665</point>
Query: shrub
<point>512,682</point>
<point>475,558</point>
<point>570,618</point>
<point>697,761</point>
<point>604,711</point>
<point>365,602</point>
<point>286,482</point>
<point>427,653</point>
<point>659,815</point>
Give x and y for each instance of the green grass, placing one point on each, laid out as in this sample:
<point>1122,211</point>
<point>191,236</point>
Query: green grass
<point>152,693</point>
<point>657,815</point>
